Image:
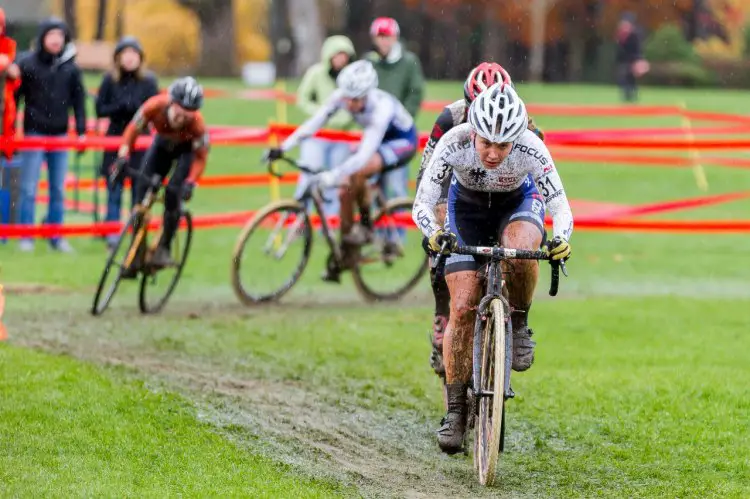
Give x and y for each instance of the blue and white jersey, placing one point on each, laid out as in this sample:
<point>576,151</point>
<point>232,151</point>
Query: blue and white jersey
<point>383,119</point>
<point>529,161</point>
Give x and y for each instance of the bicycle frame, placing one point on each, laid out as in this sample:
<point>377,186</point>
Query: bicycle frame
<point>153,195</point>
<point>314,193</point>
<point>493,291</point>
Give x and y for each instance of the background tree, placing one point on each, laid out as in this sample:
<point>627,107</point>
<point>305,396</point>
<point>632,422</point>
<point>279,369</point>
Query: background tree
<point>101,20</point>
<point>217,45</point>
<point>69,14</point>
<point>307,31</point>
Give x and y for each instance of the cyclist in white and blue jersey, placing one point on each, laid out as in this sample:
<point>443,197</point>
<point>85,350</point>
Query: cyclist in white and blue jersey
<point>389,141</point>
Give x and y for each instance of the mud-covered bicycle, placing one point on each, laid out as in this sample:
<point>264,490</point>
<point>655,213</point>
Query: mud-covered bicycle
<point>140,232</point>
<point>386,268</point>
<point>493,352</point>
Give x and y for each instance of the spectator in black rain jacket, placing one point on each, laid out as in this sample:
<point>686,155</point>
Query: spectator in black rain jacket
<point>121,92</point>
<point>51,85</point>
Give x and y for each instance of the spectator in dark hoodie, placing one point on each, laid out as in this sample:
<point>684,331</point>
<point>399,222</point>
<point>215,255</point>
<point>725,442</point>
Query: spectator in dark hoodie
<point>630,62</point>
<point>51,85</point>
<point>121,92</point>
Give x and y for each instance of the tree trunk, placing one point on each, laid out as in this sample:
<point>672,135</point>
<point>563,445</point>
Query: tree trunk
<point>494,37</point>
<point>69,12</point>
<point>281,38</point>
<point>120,19</point>
<point>101,21</point>
<point>577,32</point>
<point>217,36</point>
<point>539,9</point>
<point>307,30</point>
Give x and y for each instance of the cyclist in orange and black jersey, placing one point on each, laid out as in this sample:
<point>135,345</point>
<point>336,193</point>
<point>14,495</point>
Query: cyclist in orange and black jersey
<point>180,138</point>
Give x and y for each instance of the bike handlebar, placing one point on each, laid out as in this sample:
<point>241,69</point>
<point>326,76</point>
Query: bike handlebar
<point>154,181</point>
<point>499,253</point>
<point>292,163</point>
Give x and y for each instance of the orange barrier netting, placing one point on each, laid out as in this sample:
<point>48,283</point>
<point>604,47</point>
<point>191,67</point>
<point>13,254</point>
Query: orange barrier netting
<point>240,218</point>
<point>559,141</point>
<point>590,222</point>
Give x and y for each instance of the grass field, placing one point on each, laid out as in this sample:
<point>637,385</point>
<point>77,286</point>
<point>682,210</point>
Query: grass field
<point>639,389</point>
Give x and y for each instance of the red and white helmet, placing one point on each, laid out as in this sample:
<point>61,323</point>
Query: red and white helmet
<point>384,26</point>
<point>483,77</point>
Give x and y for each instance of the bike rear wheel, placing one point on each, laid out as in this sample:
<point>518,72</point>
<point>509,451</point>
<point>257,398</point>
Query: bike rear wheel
<point>489,423</point>
<point>105,291</point>
<point>394,262</point>
<point>282,230</point>
<point>151,299</point>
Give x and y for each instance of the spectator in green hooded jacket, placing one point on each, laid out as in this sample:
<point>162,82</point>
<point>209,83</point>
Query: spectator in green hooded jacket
<point>400,74</point>
<point>316,86</point>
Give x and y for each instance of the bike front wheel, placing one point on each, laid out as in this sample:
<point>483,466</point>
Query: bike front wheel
<point>271,252</point>
<point>158,285</point>
<point>394,262</point>
<point>489,424</point>
<point>120,257</point>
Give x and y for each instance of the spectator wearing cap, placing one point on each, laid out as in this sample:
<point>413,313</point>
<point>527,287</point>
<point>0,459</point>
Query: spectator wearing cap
<point>316,86</point>
<point>399,73</point>
<point>51,85</point>
<point>629,58</point>
<point>121,93</point>
<point>9,82</point>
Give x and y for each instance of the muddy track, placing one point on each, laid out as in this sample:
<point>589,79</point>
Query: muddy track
<point>317,431</point>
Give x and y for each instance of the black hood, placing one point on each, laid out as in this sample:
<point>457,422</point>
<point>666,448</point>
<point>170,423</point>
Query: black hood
<point>128,42</point>
<point>48,25</point>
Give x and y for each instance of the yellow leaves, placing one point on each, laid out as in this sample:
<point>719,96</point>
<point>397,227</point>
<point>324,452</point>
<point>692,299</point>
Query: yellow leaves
<point>716,48</point>
<point>731,16</point>
<point>170,34</point>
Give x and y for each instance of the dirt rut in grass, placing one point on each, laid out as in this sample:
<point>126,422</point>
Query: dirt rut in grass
<point>316,430</point>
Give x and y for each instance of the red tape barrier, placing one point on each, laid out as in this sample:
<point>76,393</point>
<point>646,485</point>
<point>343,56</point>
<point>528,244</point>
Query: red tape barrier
<point>577,110</point>
<point>240,218</point>
<point>611,220</point>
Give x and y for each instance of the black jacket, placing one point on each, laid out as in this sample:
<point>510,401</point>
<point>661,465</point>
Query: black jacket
<point>629,49</point>
<point>119,100</point>
<point>51,86</point>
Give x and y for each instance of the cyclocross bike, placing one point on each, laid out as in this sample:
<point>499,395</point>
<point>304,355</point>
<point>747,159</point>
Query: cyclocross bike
<point>384,269</point>
<point>151,299</point>
<point>493,353</point>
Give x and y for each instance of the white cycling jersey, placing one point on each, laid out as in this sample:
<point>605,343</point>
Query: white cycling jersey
<point>455,155</point>
<point>383,118</point>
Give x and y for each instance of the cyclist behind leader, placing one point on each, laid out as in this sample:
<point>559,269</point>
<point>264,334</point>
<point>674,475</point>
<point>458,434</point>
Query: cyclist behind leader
<point>180,138</point>
<point>389,141</point>
<point>479,79</point>
<point>496,164</point>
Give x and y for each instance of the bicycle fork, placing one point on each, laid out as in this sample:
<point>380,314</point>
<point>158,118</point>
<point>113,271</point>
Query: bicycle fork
<point>494,289</point>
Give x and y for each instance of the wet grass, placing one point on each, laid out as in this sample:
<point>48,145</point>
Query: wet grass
<point>639,388</point>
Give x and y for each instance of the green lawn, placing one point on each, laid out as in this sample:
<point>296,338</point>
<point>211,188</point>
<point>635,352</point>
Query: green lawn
<point>71,429</point>
<point>639,389</point>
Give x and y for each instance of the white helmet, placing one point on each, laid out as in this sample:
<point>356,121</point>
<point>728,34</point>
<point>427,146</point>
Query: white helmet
<point>498,114</point>
<point>357,78</point>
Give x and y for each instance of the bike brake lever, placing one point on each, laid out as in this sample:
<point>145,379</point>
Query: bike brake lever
<point>441,255</point>
<point>564,270</point>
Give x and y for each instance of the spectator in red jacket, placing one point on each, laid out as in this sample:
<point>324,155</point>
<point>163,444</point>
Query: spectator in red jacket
<point>9,82</point>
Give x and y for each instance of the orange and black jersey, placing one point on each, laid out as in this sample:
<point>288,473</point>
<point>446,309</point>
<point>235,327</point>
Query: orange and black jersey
<point>154,112</point>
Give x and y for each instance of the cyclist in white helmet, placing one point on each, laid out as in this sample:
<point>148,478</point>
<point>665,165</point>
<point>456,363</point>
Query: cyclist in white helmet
<point>389,141</point>
<point>479,79</point>
<point>499,168</point>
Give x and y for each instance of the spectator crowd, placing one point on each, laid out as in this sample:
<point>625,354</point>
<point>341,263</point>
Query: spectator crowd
<point>47,85</point>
